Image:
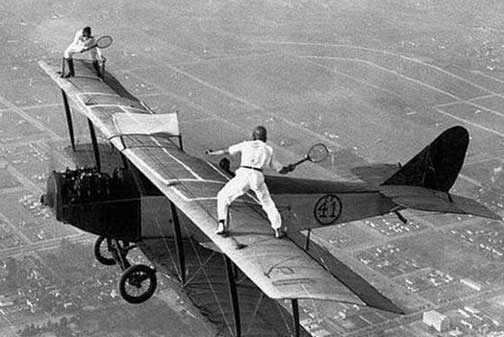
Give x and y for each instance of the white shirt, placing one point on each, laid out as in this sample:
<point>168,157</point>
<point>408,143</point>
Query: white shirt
<point>81,43</point>
<point>255,153</point>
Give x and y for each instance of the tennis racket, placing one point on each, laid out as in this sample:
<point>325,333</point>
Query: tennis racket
<point>103,42</point>
<point>316,153</point>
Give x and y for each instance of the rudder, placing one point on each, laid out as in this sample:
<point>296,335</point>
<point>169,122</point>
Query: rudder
<point>437,166</point>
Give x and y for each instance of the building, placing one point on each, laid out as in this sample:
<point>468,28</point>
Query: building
<point>496,334</point>
<point>472,310</point>
<point>471,284</point>
<point>436,320</point>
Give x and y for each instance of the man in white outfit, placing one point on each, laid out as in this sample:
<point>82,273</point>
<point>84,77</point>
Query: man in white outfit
<point>83,41</point>
<point>255,156</point>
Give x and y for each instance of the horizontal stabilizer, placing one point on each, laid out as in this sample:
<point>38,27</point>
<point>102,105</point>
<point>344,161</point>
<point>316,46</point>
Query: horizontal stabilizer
<point>425,199</point>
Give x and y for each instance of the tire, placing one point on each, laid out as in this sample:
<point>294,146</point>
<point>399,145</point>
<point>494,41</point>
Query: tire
<point>138,283</point>
<point>102,253</point>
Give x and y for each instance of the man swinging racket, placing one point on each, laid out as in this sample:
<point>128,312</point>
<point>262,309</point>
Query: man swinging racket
<point>255,156</point>
<point>83,41</point>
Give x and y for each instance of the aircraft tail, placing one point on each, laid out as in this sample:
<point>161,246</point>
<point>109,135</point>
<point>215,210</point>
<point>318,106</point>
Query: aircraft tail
<point>424,182</point>
<point>438,164</point>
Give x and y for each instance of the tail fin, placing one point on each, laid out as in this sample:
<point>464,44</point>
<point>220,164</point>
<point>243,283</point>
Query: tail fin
<point>423,183</point>
<point>437,166</point>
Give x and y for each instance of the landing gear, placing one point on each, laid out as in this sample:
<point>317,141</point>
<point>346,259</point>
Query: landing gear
<point>102,252</point>
<point>138,282</point>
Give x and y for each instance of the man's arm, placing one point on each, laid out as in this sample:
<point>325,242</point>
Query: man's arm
<point>77,37</point>
<point>88,44</point>
<point>275,164</point>
<point>217,152</point>
<point>231,150</point>
<point>287,169</point>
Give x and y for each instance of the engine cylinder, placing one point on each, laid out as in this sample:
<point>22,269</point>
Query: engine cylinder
<point>96,202</point>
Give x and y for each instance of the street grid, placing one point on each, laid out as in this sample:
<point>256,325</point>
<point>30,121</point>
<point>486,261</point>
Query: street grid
<point>369,94</point>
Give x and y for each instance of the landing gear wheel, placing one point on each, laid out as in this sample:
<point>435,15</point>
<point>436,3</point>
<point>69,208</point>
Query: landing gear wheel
<point>137,283</point>
<point>102,253</point>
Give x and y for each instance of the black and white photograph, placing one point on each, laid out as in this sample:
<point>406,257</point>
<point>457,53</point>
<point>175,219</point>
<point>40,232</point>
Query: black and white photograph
<point>252,168</point>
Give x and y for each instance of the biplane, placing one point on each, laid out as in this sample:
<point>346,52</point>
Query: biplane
<point>185,188</point>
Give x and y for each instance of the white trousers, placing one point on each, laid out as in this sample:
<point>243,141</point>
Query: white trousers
<point>245,180</point>
<point>73,49</point>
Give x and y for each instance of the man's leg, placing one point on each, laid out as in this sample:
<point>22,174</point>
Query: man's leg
<point>229,193</point>
<point>68,66</point>
<point>270,208</point>
<point>63,66</point>
<point>96,66</point>
<point>71,67</point>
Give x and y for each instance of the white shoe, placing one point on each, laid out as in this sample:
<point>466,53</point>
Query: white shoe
<point>222,230</point>
<point>279,233</point>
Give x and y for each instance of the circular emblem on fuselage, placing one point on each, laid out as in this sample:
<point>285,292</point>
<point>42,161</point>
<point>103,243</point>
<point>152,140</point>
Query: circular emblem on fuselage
<point>327,209</point>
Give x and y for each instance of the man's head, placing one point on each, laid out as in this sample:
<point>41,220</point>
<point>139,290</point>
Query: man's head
<point>86,31</point>
<point>259,133</point>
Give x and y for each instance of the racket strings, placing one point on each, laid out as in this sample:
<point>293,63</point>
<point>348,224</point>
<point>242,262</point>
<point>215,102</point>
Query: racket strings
<point>318,152</point>
<point>104,41</point>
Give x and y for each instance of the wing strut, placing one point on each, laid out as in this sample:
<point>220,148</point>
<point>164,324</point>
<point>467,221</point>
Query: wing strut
<point>307,243</point>
<point>95,144</point>
<point>295,317</point>
<point>230,266</point>
<point>178,242</point>
<point>68,113</point>
<point>234,294</point>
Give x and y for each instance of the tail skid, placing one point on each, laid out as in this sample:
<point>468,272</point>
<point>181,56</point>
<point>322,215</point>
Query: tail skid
<point>424,182</point>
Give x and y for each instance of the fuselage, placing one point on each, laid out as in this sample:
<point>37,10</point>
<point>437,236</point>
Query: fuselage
<point>306,203</point>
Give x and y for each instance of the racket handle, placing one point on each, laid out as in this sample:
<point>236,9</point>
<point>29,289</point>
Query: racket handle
<point>300,161</point>
<point>89,48</point>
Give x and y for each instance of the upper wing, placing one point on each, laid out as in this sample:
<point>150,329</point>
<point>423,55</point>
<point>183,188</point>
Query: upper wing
<point>278,267</point>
